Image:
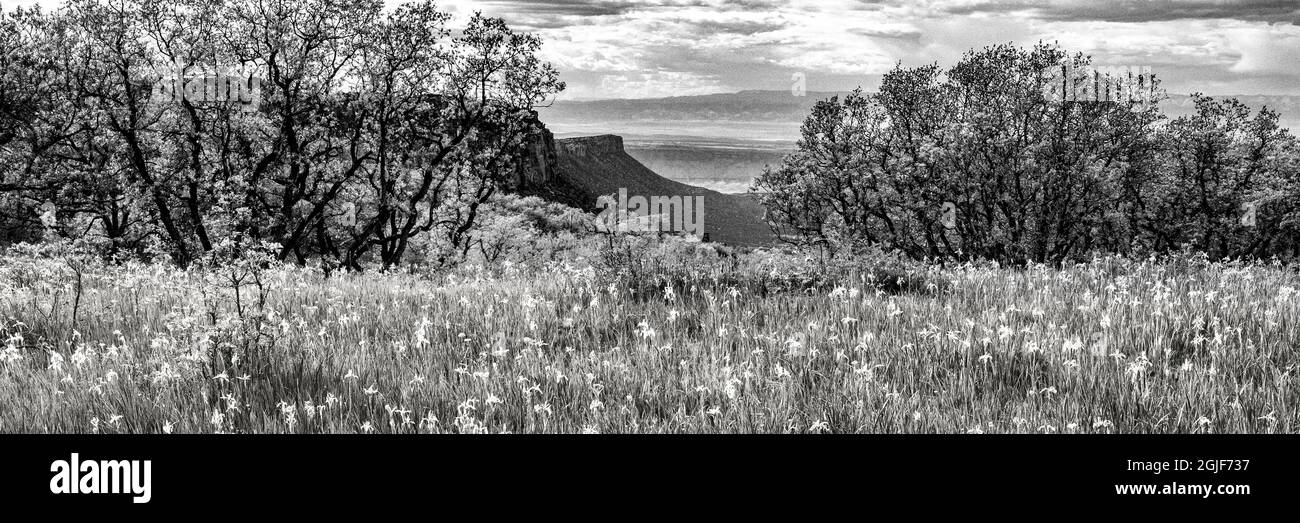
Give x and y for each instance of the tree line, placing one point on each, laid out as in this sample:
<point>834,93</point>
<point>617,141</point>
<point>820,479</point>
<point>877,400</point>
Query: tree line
<point>980,161</point>
<point>357,134</point>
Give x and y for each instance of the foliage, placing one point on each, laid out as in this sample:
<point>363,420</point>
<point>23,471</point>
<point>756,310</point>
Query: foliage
<point>975,162</point>
<point>367,130</point>
<point>528,229</point>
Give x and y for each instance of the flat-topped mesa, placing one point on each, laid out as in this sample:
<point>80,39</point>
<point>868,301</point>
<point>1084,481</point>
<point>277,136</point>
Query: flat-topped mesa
<point>591,145</point>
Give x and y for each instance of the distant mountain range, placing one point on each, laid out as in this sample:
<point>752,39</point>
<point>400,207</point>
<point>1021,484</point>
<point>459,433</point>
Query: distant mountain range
<point>722,141</point>
<point>769,115</point>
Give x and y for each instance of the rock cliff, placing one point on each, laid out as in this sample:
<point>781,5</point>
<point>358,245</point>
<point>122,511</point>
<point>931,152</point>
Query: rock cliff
<point>577,171</point>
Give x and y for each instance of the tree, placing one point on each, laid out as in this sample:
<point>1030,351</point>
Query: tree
<point>977,162</point>
<point>1226,185</point>
<point>354,130</point>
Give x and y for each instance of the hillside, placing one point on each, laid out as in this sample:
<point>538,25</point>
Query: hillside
<point>598,165</point>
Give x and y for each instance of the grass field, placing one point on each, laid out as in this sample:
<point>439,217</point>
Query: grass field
<point>1106,347</point>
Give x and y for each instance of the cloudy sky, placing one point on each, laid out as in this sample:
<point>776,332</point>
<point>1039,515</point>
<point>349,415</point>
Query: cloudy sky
<point>653,48</point>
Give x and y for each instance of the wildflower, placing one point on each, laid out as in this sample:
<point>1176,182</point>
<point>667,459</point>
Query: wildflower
<point>1285,292</point>
<point>894,310</point>
<point>167,427</point>
<point>820,426</point>
<point>371,390</point>
<point>56,360</point>
<point>644,330</point>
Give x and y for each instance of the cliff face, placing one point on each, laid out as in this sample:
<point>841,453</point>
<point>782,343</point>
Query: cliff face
<point>538,173</point>
<point>605,144</point>
<point>578,171</point>
<point>537,167</point>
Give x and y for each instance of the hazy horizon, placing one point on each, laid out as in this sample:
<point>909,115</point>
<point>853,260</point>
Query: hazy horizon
<point>816,94</point>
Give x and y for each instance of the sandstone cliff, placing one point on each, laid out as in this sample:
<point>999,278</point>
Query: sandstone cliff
<point>577,171</point>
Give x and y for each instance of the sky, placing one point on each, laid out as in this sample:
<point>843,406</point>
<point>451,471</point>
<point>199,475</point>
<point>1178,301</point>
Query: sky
<point>661,48</point>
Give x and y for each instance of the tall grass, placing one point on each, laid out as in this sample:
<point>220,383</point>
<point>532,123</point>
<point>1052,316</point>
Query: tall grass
<point>1111,346</point>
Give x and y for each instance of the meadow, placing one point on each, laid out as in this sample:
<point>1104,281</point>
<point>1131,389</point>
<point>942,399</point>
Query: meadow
<point>1177,345</point>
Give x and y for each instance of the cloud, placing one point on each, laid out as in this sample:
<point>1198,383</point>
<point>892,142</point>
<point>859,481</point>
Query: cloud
<point>634,48</point>
<point>1239,46</point>
<point>1131,11</point>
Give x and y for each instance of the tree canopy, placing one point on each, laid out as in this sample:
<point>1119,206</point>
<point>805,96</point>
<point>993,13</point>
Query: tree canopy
<point>326,127</point>
<point>981,161</point>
